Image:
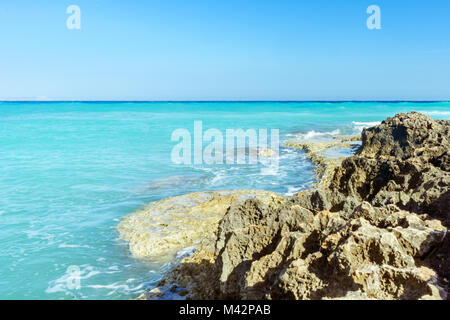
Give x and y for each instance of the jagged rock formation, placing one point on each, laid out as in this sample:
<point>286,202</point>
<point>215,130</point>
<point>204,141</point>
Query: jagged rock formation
<point>377,230</point>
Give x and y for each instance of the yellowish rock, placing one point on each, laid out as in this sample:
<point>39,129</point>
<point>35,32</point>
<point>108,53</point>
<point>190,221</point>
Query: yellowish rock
<point>165,227</point>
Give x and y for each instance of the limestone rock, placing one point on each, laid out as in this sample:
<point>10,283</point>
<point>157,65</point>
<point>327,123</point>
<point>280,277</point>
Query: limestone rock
<point>377,230</point>
<point>165,227</point>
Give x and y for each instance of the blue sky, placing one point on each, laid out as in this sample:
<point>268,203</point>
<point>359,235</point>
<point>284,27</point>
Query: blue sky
<point>225,50</point>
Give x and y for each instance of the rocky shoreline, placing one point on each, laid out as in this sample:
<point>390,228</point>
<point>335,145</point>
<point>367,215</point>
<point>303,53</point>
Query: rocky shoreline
<point>316,152</point>
<point>375,227</point>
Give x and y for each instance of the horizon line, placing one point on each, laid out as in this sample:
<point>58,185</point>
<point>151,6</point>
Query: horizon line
<point>219,101</point>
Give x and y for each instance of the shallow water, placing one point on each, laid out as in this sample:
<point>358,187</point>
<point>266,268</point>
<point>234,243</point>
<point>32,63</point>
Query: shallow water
<point>70,171</point>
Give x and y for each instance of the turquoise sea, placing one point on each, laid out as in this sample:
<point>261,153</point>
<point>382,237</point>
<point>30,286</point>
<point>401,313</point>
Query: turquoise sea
<point>69,171</point>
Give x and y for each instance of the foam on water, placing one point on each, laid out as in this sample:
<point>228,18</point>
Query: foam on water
<point>435,113</point>
<point>313,135</point>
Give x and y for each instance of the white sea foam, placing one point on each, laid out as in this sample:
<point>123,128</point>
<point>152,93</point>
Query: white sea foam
<point>291,190</point>
<point>114,287</point>
<point>436,113</point>
<point>314,134</point>
<point>366,124</point>
<point>219,176</point>
<point>359,126</point>
<point>186,252</point>
<point>60,284</point>
<point>270,171</point>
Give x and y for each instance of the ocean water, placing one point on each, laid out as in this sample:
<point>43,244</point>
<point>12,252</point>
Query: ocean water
<point>69,171</point>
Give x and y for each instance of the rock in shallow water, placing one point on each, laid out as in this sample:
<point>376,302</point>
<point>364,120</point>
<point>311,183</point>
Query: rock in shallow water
<point>163,228</point>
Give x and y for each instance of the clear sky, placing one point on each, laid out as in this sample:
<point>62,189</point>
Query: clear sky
<point>225,50</point>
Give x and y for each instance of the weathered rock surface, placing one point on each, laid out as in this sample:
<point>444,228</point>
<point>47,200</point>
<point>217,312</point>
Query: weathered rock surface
<point>377,230</point>
<point>165,227</point>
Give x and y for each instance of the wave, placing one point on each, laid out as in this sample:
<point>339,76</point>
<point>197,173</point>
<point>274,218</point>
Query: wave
<point>186,252</point>
<point>359,126</point>
<point>436,113</point>
<point>314,134</point>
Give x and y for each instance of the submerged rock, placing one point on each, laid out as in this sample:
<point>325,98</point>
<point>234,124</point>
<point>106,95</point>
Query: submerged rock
<point>377,229</point>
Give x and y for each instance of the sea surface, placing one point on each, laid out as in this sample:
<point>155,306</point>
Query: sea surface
<point>69,171</point>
